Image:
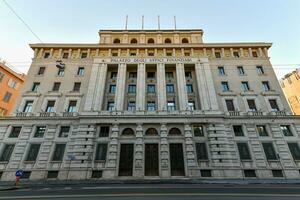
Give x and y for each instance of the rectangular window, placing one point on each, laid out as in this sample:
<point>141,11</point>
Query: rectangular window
<point>114,54</point>
<point>230,105</point>
<point>244,151</point>
<point>168,54</point>
<point>236,54</point>
<point>64,131</point>
<point>171,105</point>
<point>35,86</point>
<point>7,97</point>
<point>11,83</point>
<point>221,71</point>
<point>104,131</point>
<point>254,54</point>
<point>61,72</point>
<point>40,131</point>
<point>150,54</point>
<point>269,151</point>
<point>217,54</point>
<point>132,75</point>
<point>251,104</point>
<point>28,107</point>
<point>133,54</point>
<point>72,106</point>
<point>110,106</point>
<point>238,130</point>
<point>151,106</point>
<point>33,152</point>
<point>262,131</point>
<point>131,106</point>
<point>295,150</point>
<point>59,152</point>
<point>7,152</point>
<point>286,130</point>
<point>151,88</point>
<point>186,54</point>
<point>240,70</point>
<point>76,87</point>
<point>225,86</point>
<point>277,173</point>
<point>169,75</point>
<point>101,152</point>
<point>80,71</point>
<point>151,75</point>
<point>205,173</point>
<point>41,70</point>
<point>56,87</point>
<point>191,105</point>
<point>170,88</point>
<point>189,88</point>
<point>46,55</point>
<point>188,75</point>
<point>112,89</point>
<point>52,174</point>
<point>50,106</point>
<point>15,131</point>
<point>1,76</point>
<point>96,174</point>
<point>131,88</point>
<point>273,104</point>
<point>65,55</point>
<point>201,151</point>
<point>245,86</point>
<point>198,131</point>
<point>249,173</point>
<point>266,86</point>
<point>113,75</point>
<point>83,55</point>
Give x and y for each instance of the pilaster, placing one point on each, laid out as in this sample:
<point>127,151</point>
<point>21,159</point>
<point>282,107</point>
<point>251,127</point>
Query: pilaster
<point>139,152</point>
<point>181,83</point>
<point>120,89</point>
<point>191,158</point>
<point>140,95</point>
<point>164,152</point>
<point>161,87</point>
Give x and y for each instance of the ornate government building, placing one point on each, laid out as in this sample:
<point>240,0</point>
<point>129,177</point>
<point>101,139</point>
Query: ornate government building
<point>151,104</point>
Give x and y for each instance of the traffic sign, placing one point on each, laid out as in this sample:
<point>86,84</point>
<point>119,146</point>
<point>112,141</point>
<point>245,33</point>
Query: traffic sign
<point>19,173</point>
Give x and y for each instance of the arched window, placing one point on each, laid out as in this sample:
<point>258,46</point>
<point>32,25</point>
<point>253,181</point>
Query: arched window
<point>185,40</point>
<point>133,41</point>
<point>117,41</point>
<point>174,131</point>
<point>151,131</point>
<point>168,41</point>
<point>128,131</point>
<point>150,41</point>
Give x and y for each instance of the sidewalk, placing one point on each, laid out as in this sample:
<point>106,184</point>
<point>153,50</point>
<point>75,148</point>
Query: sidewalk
<point>76,183</point>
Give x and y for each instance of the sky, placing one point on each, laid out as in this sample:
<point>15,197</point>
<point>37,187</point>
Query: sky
<point>78,21</point>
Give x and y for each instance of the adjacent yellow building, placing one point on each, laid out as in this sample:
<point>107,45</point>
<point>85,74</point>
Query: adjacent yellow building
<point>290,84</point>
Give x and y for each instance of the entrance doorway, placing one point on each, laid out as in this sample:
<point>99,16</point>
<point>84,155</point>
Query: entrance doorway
<point>151,160</point>
<point>126,160</point>
<point>177,161</point>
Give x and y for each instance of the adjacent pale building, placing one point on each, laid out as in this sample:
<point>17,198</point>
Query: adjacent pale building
<point>151,104</point>
<point>290,85</point>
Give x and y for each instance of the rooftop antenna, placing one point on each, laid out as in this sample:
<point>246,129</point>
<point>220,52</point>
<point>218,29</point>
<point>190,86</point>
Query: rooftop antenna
<point>158,22</point>
<point>126,22</point>
<point>142,22</point>
<point>175,22</point>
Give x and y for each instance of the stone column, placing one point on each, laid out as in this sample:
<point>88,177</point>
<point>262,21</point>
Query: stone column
<point>96,88</point>
<point>78,53</point>
<point>165,169</point>
<point>120,89</point>
<point>70,54</point>
<point>59,53</point>
<point>191,158</point>
<point>161,87</point>
<point>140,93</point>
<point>181,87</point>
<point>112,156</point>
<point>250,52</point>
<point>138,152</point>
<point>36,51</point>
<point>207,93</point>
<point>223,53</point>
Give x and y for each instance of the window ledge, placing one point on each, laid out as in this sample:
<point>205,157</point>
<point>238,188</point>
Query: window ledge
<point>100,161</point>
<point>74,94</point>
<point>227,93</point>
<point>270,92</point>
<point>31,94</point>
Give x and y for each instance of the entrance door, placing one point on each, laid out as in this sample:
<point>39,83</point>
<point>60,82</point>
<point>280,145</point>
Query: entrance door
<point>177,161</point>
<point>151,160</point>
<point>126,160</point>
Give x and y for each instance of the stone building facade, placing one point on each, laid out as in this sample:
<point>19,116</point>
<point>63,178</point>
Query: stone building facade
<point>290,85</point>
<point>151,104</point>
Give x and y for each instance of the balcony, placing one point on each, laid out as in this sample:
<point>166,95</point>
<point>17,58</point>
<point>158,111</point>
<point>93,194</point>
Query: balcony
<point>234,113</point>
<point>47,114</point>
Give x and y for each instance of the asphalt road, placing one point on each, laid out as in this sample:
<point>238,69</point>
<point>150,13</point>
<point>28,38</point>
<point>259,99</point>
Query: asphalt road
<point>156,191</point>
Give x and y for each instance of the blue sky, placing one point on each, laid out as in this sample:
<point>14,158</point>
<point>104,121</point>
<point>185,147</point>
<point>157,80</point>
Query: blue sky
<point>77,21</point>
